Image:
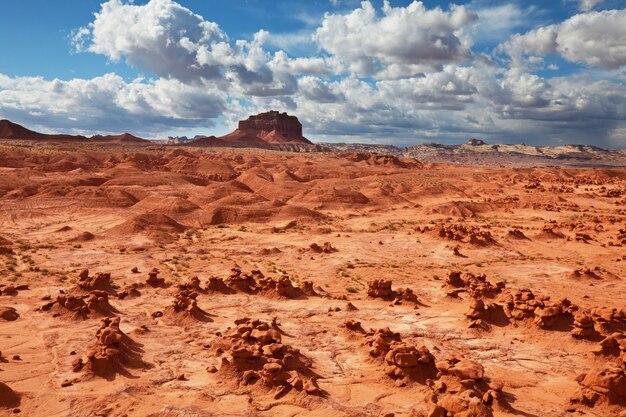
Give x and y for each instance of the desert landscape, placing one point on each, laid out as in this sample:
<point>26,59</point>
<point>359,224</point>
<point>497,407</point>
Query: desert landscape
<point>294,208</point>
<point>139,279</point>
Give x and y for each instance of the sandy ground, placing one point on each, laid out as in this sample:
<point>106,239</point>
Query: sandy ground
<point>201,213</point>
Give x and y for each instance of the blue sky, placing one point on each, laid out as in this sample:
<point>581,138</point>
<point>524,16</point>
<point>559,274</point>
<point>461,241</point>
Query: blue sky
<point>397,72</point>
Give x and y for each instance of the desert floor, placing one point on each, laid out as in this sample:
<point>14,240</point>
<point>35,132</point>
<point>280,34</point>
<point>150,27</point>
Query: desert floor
<point>332,224</point>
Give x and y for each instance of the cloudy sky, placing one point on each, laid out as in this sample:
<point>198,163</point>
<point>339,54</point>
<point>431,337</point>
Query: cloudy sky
<point>393,72</point>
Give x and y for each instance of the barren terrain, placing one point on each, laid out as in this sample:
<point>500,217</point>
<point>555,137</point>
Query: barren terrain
<point>152,281</point>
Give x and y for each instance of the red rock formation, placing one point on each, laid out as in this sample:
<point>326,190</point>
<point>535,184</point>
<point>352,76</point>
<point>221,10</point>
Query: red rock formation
<point>10,130</point>
<point>8,397</point>
<point>100,282</point>
<point>381,288</point>
<point>96,302</point>
<point>403,362</point>
<point>8,314</point>
<point>602,384</point>
<point>112,352</point>
<point>256,353</point>
<point>268,128</point>
<point>476,286</point>
<point>154,280</point>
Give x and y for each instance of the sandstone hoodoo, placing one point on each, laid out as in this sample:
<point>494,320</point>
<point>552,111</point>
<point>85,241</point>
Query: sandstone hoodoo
<point>272,128</point>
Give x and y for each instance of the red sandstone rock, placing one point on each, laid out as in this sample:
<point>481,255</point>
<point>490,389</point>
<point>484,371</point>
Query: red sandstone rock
<point>256,353</point>
<point>270,128</point>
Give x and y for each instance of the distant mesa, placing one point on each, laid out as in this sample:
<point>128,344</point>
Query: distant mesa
<point>10,130</point>
<point>475,142</point>
<point>123,138</point>
<point>270,128</point>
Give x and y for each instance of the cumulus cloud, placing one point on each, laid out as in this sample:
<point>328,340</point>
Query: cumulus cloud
<point>403,41</point>
<point>595,38</point>
<point>565,99</point>
<point>108,104</point>
<point>397,75</point>
<point>171,41</point>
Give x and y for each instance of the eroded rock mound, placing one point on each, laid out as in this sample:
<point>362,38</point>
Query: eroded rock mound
<point>154,280</point>
<point>327,247</point>
<point>99,282</point>
<point>216,284</point>
<point>281,286</point>
<point>112,353</point>
<point>459,386</point>
<point>609,320</point>
<point>482,314</point>
<point>460,390</point>
<point>516,234</point>
<point>95,303</point>
<point>381,288</point>
<point>404,362</point>
<point>255,352</point>
<point>130,291</point>
<point>583,325</point>
<point>256,283</point>
<point>185,304</point>
<point>476,286</point>
<point>192,285</point>
<point>5,246</point>
<point>613,345</point>
<point>605,384</point>
<point>550,232</point>
<point>241,281</point>
<point>468,234</point>
<point>523,304</point>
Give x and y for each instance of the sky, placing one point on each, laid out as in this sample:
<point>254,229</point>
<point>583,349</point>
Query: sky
<point>387,72</point>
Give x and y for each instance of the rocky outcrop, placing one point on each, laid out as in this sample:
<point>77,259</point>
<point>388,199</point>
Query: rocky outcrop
<point>8,397</point>
<point>264,123</point>
<point>476,286</point>
<point>602,384</point>
<point>185,305</point>
<point>265,129</point>
<point>381,288</point>
<point>8,314</point>
<point>112,353</point>
<point>154,280</point>
<point>460,389</point>
<point>256,353</point>
<point>95,303</point>
<point>459,386</point>
<point>99,282</point>
<point>404,362</point>
<point>255,282</point>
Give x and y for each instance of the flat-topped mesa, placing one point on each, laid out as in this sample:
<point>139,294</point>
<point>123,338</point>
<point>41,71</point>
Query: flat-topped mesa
<point>265,123</point>
<point>270,128</point>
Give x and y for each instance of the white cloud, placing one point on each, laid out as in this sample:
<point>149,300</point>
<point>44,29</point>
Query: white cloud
<point>403,41</point>
<point>108,104</point>
<point>594,38</point>
<point>171,41</point>
<point>586,5</point>
<point>402,75</point>
<point>496,23</point>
